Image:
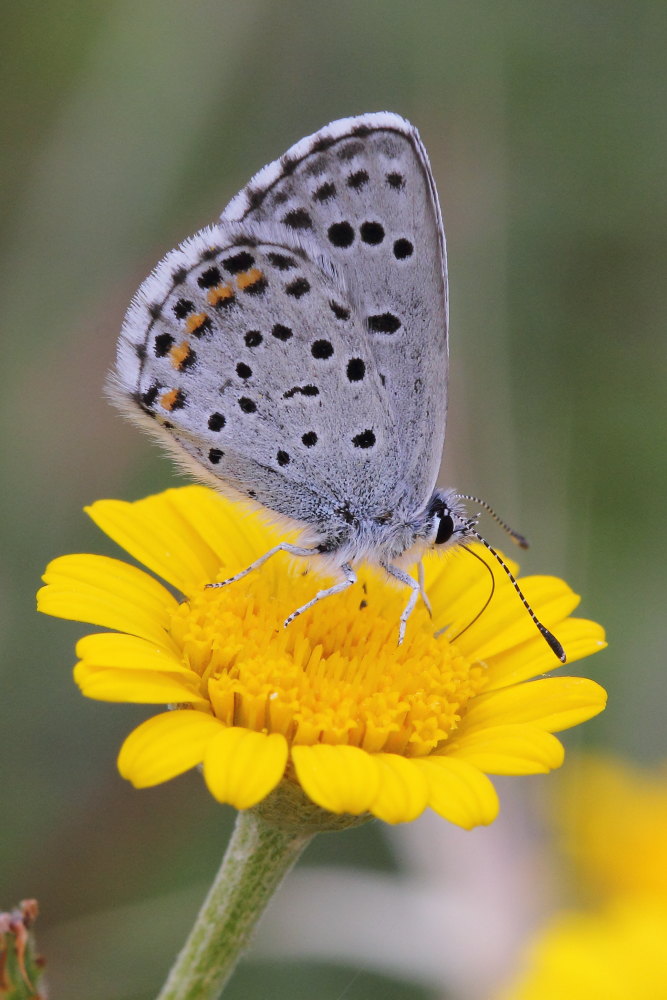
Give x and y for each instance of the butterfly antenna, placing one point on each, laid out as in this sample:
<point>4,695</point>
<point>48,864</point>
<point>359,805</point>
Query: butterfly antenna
<point>549,638</point>
<point>520,540</point>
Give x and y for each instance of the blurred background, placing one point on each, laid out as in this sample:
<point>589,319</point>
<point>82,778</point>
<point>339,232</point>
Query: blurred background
<point>128,126</point>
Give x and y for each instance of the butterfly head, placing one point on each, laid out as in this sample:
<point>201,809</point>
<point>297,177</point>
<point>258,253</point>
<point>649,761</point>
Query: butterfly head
<point>446,521</point>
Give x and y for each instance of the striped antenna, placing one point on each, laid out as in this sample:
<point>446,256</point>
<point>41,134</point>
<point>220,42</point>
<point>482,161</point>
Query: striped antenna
<point>549,638</point>
<point>514,535</point>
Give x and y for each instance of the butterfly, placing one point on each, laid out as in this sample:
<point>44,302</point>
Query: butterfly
<point>295,354</point>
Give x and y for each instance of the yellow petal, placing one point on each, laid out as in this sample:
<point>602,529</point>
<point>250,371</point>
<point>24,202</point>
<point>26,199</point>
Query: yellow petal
<point>578,637</point>
<point>552,703</point>
<point>109,593</point>
<point>138,686</point>
<point>509,749</point>
<point>241,766</point>
<point>236,536</point>
<point>341,779</point>
<point>166,745</point>
<point>128,652</point>
<point>403,791</point>
<point>156,532</point>
<point>505,623</point>
<point>457,583</point>
<point>459,792</point>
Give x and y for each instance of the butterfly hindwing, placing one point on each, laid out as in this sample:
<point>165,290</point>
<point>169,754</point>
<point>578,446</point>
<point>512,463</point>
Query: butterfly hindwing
<point>246,351</point>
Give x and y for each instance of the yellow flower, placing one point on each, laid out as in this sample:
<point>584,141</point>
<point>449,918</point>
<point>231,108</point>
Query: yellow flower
<point>615,953</point>
<point>330,703</point>
<point>613,816</point>
<point>613,819</point>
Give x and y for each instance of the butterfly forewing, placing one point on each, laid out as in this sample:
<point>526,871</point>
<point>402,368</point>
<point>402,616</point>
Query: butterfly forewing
<point>362,188</point>
<point>297,351</point>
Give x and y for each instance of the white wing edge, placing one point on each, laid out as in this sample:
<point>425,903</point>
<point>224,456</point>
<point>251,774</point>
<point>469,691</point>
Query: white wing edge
<point>264,178</point>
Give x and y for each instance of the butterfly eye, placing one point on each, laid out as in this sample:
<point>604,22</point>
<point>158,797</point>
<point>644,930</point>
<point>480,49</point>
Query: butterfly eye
<point>445,528</point>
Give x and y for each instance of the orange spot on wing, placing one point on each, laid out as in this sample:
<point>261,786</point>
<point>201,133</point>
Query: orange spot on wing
<point>179,354</point>
<point>195,322</point>
<point>169,399</point>
<point>250,277</point>
<point>220,293</point>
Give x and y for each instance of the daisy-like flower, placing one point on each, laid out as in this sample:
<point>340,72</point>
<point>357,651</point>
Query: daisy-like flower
<point>612,816</point>
<point>613,953</point>
<point>331,704</point>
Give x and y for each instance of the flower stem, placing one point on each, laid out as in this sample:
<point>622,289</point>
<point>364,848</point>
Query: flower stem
<point>257,858</point>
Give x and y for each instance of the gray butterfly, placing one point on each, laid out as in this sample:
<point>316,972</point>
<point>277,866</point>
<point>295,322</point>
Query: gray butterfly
<point>296,352</point>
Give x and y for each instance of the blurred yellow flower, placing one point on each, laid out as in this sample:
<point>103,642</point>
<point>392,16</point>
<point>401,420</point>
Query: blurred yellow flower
<point>612,816</point>
<point>332,703</point>
<point>614,953</point>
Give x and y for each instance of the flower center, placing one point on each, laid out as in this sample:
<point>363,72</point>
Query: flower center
<point>336,674</point>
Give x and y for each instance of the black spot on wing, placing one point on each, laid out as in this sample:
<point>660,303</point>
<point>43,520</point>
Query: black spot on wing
<point>163,344</point>
<point>403,248</point>
<point>150,395</point>
<point>325,192</point>
<point>216,422</point>
<point>238,262</point>
<point>322,144</point>
<point>255,197</point>
<point>341,234</point>
<point>356,369</point>
<point>340,312</point>
<point>366,439</point>
<point>358,180</point>
<point>298,218</point>
<point>371,232</point>
<point>395,180</point>
<point>383,323</point>
<point>322,349</point>
<point>209,278</point>
<point>350,150</point>
<point>182,308</point>
<point>301,390</point>
<point>297,288</point>
<point>282,261</point>
<point>288,165</point>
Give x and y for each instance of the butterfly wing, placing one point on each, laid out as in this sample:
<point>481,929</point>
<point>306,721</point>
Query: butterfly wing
<point>244,352</point>
<point>362,188</point>
<point>296,352</point>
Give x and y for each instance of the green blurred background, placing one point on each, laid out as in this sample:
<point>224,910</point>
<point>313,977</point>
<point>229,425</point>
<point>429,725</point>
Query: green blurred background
<point>128,126</point>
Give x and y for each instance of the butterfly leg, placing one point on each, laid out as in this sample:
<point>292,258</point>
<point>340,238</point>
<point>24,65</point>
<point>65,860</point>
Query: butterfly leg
<point>350,578</point>
<point>293,550</point>
<point>415,586</point>
<point>420,579</point>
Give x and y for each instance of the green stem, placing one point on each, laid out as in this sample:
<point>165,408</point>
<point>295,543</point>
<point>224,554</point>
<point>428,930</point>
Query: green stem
<point>258,857</point>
